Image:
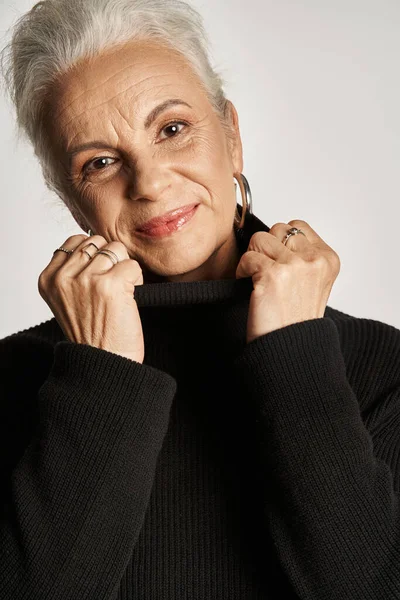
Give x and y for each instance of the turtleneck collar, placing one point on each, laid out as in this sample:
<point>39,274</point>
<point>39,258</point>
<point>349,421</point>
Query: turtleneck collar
<point>203,292</point>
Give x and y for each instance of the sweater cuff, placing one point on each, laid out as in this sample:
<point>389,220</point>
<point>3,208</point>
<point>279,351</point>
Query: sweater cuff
<point>300,357</point>
<point>105,393</point>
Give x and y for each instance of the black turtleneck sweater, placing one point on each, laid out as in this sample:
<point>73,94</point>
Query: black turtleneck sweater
<point>216,470</point>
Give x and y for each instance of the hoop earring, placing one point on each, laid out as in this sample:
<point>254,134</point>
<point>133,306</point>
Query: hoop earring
<point>247,201</point>
<point>90,232</point>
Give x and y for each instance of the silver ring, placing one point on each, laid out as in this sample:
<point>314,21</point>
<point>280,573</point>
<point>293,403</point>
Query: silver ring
<point>86,252</point>
<point>61,249</point>
<point>110,255</point>
<point>92,244</point>
<point>292,231</point>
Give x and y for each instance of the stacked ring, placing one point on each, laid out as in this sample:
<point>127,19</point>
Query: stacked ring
<point>111,255</point>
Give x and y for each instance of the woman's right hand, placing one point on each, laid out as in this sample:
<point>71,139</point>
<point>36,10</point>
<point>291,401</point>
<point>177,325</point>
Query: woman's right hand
<point>93,299</point>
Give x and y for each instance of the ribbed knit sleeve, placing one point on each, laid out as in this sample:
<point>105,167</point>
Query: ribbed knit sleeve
<point>331,499</point>
<point>75,502</point>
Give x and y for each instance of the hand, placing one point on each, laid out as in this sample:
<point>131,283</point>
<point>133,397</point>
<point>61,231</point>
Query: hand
<point>291,282</point>
<point>93,299</point>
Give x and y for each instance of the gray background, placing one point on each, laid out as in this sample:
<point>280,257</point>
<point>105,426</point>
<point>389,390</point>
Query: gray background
<point>316,85</point>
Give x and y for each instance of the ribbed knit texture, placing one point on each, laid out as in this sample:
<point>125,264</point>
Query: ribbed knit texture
<point>216,470</point>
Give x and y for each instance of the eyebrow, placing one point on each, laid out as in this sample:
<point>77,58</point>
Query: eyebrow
<point>99,144</point>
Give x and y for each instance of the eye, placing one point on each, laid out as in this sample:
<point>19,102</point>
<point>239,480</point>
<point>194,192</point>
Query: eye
<point>173,128</point>
<point>100,162</point>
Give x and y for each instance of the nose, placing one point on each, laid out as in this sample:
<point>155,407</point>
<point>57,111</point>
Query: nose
<point>149,179</point>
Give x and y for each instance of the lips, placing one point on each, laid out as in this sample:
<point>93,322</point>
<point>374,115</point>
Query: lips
<point>167,217</point>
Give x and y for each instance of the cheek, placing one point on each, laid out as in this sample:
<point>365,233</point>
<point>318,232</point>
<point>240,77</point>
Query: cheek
<point>210,162</point>
<point>96,199</point>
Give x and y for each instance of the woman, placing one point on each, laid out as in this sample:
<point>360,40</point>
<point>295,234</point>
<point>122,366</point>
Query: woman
<point>195,422</point>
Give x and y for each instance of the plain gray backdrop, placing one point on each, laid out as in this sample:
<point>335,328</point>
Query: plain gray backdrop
<point>316,86</point>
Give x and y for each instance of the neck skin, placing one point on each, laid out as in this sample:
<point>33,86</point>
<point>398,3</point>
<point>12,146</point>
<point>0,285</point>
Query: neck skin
<point>222,264</point>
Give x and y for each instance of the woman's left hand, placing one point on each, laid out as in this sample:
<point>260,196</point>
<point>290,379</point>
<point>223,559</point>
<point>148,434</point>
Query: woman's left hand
<point>291,282</point>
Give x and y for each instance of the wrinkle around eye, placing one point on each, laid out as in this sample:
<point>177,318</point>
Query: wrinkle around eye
<point>170,124</point>
<point>86,168</point>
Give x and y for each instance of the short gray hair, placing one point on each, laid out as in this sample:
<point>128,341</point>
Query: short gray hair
<point>55,34</point>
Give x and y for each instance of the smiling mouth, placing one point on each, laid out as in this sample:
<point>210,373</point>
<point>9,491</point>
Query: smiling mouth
<point>172,215</point>
<point>168,223</point>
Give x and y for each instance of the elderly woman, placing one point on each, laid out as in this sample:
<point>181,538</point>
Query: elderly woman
<point>195,422</point>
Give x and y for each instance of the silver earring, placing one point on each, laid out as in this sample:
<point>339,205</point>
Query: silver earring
<point>90,232</point>
<point>249,198</point>
<point>247,201</point>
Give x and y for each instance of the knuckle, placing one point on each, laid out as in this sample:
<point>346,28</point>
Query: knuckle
<point>118,247</point>
<point>42,283</point>
<point>97,237</point>
<point>282,275</point>
<point>298,260</point>
<point>336,261</point>
<point>258,235</point>
<point>297,223</point>
<point>311,255</point>
<point>319,262</point>
<point>128,268</point>
<point>276,227</point>
<point>104,285</point>
<point>117,244</point>
<point>59,280</point>
<point>136,268</point>
<point>248,257</point>
<point>75,239</point>
<point>84,279</point>
<point>257,239</point>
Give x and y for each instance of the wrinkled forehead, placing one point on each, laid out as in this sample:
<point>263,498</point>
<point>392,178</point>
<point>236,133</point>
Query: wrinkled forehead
<point>136,73</point>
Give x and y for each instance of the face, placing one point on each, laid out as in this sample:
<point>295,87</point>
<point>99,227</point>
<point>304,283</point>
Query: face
<point>125,162</point>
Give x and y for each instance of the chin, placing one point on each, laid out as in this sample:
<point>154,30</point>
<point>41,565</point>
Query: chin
<point>179,265</point>
<point>182,268</point>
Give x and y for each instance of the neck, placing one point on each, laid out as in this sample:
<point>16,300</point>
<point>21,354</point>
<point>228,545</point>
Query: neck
<point>222,264</point>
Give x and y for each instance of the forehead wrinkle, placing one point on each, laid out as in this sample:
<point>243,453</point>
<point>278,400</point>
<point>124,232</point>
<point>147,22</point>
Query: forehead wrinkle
<point>108,101</point>
<point>89,89</point>
<point>124,118</point>
<point>98,86</point>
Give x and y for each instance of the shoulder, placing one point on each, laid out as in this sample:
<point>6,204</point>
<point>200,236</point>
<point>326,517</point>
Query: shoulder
<point>364,333</point>
<point>26,358</point>
<point>371,351</point>
<point>27,355</point>
<point>47,333</point>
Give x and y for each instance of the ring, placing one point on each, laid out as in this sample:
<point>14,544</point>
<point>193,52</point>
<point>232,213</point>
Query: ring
<point>61,249</point>
<point>86,252</point>
<point>92,244</point>
<point>110,255</point>
<point>292,231</point>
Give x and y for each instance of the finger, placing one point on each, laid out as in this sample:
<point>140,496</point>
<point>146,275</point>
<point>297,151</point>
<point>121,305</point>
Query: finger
<point>104,262</point>
<point>295,242</point>
<point>129,271</point>
<point>82,254</point>
<point>267,244</point>
<point>60,257</point>
<point>311,234</point>
<point>253,263</point>
<point>315,241</point>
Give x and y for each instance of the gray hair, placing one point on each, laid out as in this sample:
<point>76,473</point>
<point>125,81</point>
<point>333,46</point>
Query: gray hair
<point>55,34</point>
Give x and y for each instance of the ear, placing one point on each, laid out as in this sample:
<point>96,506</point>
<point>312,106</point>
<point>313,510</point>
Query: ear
<point>234,141</point>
